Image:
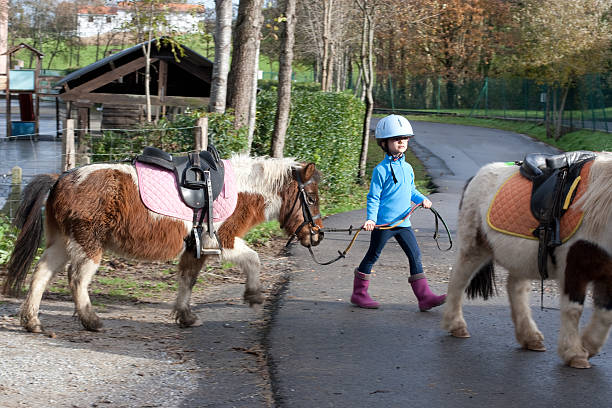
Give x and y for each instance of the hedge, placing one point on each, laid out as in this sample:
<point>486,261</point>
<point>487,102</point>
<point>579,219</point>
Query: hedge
<point>324,128</point>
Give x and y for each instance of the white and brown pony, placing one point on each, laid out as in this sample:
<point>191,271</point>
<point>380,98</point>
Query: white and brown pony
<point>97,207</point>
<point>586,257</point>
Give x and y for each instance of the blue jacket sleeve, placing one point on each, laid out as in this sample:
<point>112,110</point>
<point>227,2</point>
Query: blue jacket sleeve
<point>373,202</point>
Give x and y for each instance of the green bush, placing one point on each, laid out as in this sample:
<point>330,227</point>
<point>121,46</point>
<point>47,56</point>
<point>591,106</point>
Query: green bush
<point>8,234</point>
<point>172,136</point>
<point>324,128</point>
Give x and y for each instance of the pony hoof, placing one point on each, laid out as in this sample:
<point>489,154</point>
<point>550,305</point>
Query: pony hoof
<point>579,362</point>
<point>34,328</point>
<point>94,326</point>
<point>461,333</point>
<point>188,322</point>
<point>536,345</point>
<point>254,298</point>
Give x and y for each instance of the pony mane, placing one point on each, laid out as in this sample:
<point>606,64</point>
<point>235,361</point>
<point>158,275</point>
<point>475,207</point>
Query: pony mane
<point>262,175</point>
<point>597,199</point>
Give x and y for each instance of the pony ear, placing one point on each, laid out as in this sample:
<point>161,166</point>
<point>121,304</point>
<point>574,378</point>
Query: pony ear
<point>309,171</point>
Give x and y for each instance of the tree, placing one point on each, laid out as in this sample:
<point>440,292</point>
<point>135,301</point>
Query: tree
<point>562,40</point>
<point>454,39</point>
<point>223,38</point>
<point>149,21</point>
<point>245,46</point>
<point>326,37</point>
<point>281,120</point>
<point>368,9</point>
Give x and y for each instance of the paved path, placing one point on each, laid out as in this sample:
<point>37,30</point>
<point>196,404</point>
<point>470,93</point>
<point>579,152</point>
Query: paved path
<point>326,353</point>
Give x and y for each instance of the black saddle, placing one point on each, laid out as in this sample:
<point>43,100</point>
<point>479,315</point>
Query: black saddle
<point>553,190</point>
<point>200,177</point>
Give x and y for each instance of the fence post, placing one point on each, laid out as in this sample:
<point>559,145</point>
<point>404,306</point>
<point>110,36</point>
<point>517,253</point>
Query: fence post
<point>12,201</point>
<point>68,151</point>
<point>201,134</point>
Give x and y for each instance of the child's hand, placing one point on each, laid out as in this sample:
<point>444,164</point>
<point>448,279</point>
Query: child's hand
<point>427,204</point>
<point>369,225</point>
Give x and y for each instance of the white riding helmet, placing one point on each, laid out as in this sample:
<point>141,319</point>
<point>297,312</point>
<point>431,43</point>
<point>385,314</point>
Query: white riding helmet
<point>393,126</point>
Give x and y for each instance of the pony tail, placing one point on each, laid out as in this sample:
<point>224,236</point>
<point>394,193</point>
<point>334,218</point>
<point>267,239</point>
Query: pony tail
<point>483,283</point>
<point>29,219</point>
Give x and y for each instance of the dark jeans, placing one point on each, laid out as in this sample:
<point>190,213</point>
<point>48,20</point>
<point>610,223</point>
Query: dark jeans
<point>404,236</point>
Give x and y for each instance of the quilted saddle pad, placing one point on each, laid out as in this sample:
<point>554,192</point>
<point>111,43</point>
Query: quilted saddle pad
<point>159,192</point>
<point>510,210</point>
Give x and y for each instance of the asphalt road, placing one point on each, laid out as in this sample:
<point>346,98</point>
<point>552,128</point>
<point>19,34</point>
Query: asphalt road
<point>326,353</point>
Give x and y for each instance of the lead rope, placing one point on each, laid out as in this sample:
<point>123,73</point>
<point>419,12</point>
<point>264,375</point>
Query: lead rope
<point>342,254</point>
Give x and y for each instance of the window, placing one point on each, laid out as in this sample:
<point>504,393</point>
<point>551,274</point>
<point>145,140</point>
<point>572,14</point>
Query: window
<point>90,19</point>
<point>109,19</point>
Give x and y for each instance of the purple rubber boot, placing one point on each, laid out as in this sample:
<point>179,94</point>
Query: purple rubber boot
<point>427,299</point>
<point>360,295</point>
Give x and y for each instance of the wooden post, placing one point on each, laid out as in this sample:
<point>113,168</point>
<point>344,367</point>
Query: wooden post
<point>36,96</point>
<point>201,134</point>
<point>57,118</point>
<point>8,97</point>
<point>13,199</point>
<point>162,85</point>
<point>16,175</point>
<point>68,152</point>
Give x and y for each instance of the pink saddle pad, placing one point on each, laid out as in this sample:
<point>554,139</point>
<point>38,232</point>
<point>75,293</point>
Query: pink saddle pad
<point>160,193</point>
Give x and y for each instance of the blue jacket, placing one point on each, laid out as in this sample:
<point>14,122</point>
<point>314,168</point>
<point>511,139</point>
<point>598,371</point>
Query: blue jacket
<point>389,201</point>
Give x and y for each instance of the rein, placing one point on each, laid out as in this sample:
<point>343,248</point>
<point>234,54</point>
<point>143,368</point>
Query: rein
<point>342,254</point>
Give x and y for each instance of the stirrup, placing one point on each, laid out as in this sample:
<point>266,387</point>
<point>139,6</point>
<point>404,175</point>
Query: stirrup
<point>211,251</point>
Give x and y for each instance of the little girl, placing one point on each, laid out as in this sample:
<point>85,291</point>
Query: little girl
<point>391,191</point>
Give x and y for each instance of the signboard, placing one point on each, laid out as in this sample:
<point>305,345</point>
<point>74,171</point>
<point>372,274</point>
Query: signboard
<point>21,80</point>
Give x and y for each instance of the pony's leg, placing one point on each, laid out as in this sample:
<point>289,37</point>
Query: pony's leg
<point>53,259</point>
<point>570,345</point>
<point>248,262</point>
<point>188,270</point>
<point>526,330</point>
<point>82,270</point>
<point>596,333</point>
<point>471,258</point>
<point>581,261</point>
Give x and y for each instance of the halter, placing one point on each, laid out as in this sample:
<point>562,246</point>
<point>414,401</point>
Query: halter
<point>306,213</point>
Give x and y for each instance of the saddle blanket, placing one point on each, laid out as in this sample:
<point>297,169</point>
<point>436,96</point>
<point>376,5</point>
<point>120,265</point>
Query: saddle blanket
<point>510,210</point>
<point>159,192</point>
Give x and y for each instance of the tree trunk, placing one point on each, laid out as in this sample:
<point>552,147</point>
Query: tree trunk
<point>547,113</point>
<point>223,38</point>
<point>450,94</point>
<point>367,62</point>
<point>281,121</point>
<point>240,80</point>
<point>253,105</point>
<point>325,63</point>
<point>147,51</point>
<point>559,121</point>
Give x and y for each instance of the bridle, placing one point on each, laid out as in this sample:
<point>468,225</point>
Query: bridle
<point>309,219</point>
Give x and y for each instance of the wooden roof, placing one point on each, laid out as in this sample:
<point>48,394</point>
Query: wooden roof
<point>188,75</point>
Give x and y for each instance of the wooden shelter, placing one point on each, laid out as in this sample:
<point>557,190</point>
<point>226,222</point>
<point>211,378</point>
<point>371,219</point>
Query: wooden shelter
<point>117,84</point>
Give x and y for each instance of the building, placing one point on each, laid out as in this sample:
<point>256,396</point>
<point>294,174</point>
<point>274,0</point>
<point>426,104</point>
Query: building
<point>94,21</point>
<point>115,85</point>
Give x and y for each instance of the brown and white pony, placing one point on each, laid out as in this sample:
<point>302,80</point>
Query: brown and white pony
<point>97,207</point>
<point>584,258</point>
